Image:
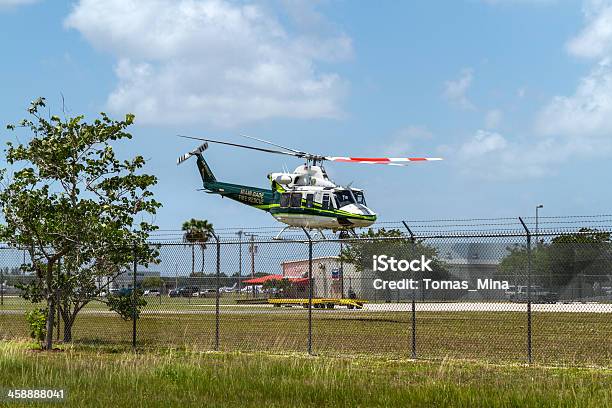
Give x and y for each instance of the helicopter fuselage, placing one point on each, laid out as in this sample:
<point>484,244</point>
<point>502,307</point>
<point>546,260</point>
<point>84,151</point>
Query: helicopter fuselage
<point>300,199</point>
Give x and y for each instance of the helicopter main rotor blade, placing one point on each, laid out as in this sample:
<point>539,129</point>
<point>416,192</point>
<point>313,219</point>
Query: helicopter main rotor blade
<point>391,161</point>
<point>243,146</point>
<point>274,144</point>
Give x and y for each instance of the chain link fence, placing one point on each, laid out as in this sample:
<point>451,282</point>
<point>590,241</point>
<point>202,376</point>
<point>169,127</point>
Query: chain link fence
<point>494,290</point>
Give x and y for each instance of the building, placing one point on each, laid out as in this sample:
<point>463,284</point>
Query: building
<point>126,279</point>
<point>331,277</point>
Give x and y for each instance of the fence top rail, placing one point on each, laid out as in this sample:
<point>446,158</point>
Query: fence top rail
<point>405,235</point>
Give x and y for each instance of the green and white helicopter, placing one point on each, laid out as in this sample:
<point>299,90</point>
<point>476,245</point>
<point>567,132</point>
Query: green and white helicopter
<point>305,198</point>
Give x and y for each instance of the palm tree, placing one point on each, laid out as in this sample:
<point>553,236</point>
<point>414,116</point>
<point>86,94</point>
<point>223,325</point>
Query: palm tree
<point>197,232</point>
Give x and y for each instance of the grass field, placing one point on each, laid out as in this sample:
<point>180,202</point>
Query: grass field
<point>582,339</point>
<point>103,377</point>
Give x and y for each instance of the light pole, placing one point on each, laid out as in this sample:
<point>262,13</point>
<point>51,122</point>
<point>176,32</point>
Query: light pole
<point>239,233</point>
<point>253,251</point>
<point>536,224</point>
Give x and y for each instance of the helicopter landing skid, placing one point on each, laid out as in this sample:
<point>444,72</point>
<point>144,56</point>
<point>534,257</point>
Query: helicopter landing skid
<point>319,233</point>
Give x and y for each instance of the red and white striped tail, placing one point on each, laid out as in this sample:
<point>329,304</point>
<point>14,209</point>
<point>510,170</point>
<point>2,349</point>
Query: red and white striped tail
<point>391,161</point>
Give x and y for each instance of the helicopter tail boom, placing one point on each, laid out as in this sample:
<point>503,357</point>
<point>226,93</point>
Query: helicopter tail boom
<point>252,196</point>
<point>205,171</point>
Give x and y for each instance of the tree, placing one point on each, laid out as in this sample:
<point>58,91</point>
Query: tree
<point>279,286</point>
<point>197,232</point>
<point>562,260</point>
<point>152,282</point>
<point>391,242</point>
<point>73,206</point>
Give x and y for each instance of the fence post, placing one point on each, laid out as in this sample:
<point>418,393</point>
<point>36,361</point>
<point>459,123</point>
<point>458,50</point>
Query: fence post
<point>529,350</point>
<point>309,290</point>
<point>135,266</point>
<point>413,307</point>
<point>58,297</point>
<point>217,287</point>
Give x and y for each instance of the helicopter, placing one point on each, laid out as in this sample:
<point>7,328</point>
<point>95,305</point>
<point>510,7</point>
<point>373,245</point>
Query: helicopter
<point>306,198</point>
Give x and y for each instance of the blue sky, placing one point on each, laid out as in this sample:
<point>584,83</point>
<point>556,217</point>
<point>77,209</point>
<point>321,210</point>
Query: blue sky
<point>515,95</point>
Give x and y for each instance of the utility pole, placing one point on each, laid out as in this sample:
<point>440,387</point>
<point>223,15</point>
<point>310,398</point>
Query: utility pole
<point>252,251</point>
<point>175,276</point>
<point>239,233</point>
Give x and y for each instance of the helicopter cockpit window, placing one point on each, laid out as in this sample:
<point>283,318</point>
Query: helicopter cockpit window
<point>344,197</point>
<point>359,197</point>
<point>284,200</point>
<point>296,200</point>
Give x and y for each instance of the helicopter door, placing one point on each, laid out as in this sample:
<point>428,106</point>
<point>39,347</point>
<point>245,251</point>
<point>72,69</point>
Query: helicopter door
<point>309,200</point>
<point>326,203</point>
<point>284,200</point>
<point>296,200</point>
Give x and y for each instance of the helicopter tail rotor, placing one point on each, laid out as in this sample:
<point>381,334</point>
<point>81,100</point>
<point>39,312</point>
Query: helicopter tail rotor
<point>194,152</point>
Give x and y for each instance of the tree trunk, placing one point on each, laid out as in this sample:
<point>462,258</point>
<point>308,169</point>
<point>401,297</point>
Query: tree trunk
<point>202,249</point>
<point>192,259</point>
<point>68,322</point>
<point>51,298</point>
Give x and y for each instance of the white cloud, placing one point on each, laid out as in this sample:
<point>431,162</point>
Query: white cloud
<point>405,141</point>
<point>483,142</point>
<point>211,61</point>
<point>493,118</point>
<point>588,112</point>
<point>455,90</point>
<point>492,156</point>
<point>595,40</point>
<point>568,128</point>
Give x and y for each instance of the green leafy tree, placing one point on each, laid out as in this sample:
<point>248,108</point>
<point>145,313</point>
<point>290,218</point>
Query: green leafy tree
<point>197,232</point>
<point>391,242</point>
<point>360,253</point>
<point>37,320</point>
<point>281,285</point>
<point>152,282</point>
<point>79,211</point>
<point>557,263</point>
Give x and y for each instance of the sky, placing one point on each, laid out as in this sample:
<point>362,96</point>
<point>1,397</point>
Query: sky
<point>515,95</point>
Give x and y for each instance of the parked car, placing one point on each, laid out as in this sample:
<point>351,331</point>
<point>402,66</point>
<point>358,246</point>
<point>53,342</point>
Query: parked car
<point>206,293</point>
<point>152,292</point>
<point>124,291</point>
<point>538,295</point>
<point>510,292</point>
<point>174,293</point>
<point>188,291</point>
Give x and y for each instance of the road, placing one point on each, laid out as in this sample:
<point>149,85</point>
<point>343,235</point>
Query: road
<point>371,308</point>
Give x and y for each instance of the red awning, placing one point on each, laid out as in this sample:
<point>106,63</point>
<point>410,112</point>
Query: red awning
<point>262,279</point>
